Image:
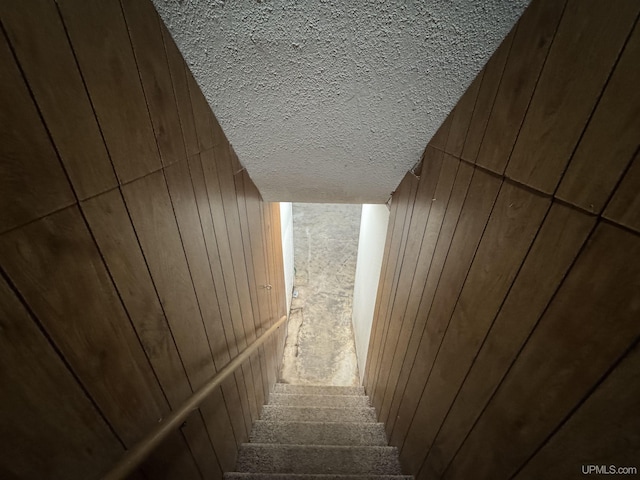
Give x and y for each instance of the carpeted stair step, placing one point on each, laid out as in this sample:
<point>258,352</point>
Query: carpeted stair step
<point>317,389</point>
<point>284,413</point>
<point>303,400</point>
<point>268,458</point>
<point>303,476</point>
<point>318,433</point>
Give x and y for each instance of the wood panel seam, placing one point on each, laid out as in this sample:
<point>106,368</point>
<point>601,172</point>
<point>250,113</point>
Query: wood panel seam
<point>76,204</point>
<point>155,288</point>
<point>504,299</point>
<point>405,353</point>
<point>578,404</point>
<point>144,92</point>
<point>427,313</point>
<point>396,279</point>
<point>524,343</point>
<point>535,87</point>
<point>588,122</point>
<point>180,235</point>
<point>60,355</point>
<point>495,96</point>
<point>383,411</point>
<point>558,200</point>
<point>444,334</point>
<point>86,89</point>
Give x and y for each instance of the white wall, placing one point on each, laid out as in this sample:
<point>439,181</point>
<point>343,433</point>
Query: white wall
<point>373,232</point>
<point>286,223</point>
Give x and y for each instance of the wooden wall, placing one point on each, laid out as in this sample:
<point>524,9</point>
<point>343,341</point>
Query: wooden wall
<point>134,250</point>
<point>505,339</point>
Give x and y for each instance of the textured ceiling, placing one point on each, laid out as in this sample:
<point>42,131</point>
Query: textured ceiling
<point>334,101</point>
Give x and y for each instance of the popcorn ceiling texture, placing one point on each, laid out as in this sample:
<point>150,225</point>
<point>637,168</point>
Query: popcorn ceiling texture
<point>334,101</point>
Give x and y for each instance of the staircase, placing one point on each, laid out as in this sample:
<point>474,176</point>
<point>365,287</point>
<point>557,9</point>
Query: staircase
<point>309,432</point>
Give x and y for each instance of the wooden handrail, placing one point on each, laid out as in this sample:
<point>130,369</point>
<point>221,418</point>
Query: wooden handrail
<point>134,457</point>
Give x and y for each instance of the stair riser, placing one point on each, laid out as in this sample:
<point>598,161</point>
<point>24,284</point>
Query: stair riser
<point>259,458</point>
<point>348,401</point>
<point>293,476</point>
<point>316,414</point>
<point>314,433</point>
<point>317,389</point>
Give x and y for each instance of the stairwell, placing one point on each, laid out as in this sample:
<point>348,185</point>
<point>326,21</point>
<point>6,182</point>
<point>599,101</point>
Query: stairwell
<point>309,432</point>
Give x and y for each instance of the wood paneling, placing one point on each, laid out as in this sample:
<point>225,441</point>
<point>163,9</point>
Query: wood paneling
<point>217,417</point>
<point>572,348</point>
<point>611,138</point>
<point>200,444</point>
<point>505,333</point>
<point>613,408</point>
<point>533,36</point>
<point>201,113</point>
<point>514,219</point>
<point>157,230</point>
<point>423,266</point>
<point>272,228</point>
<point>213,255</point>
<point>439,140</point>
<point>143,24</point>
<point>568,89</point>
<point>425,191</point>
<point>127,282</point>
<point>486,97</point>
<point>54,263</point>
<point>45,56</point>
<point>558,242</point>
<point>157,227</point>
<point>472,219</point>
<point>232,395</point>
<point>178,71</point>
<point>234,234</point>
<point>100,42</point>
<point>32,181</point>
<point>257,272</point>
<point>111,226</point>
<point>394,277</point>
<point>224,247</point>
<point>255,229</point>
<point>210,174</point>
<point>374,340</point>
<point>171,460</point>
<point>190,231</point>
<point>462,117</point>
<point>391,268</point>
<point>34,412</point>
<point>624,207</point>
<point>424,297</point>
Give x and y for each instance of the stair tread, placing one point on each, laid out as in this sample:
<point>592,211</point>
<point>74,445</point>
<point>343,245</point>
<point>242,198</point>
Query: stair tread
<point>313,400</point>
<point>291,446</point>
<point>310,476</point>
<point>319,433</point>
<point>335,459</point>
<point>318,414</point>
<point>318,389</point>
